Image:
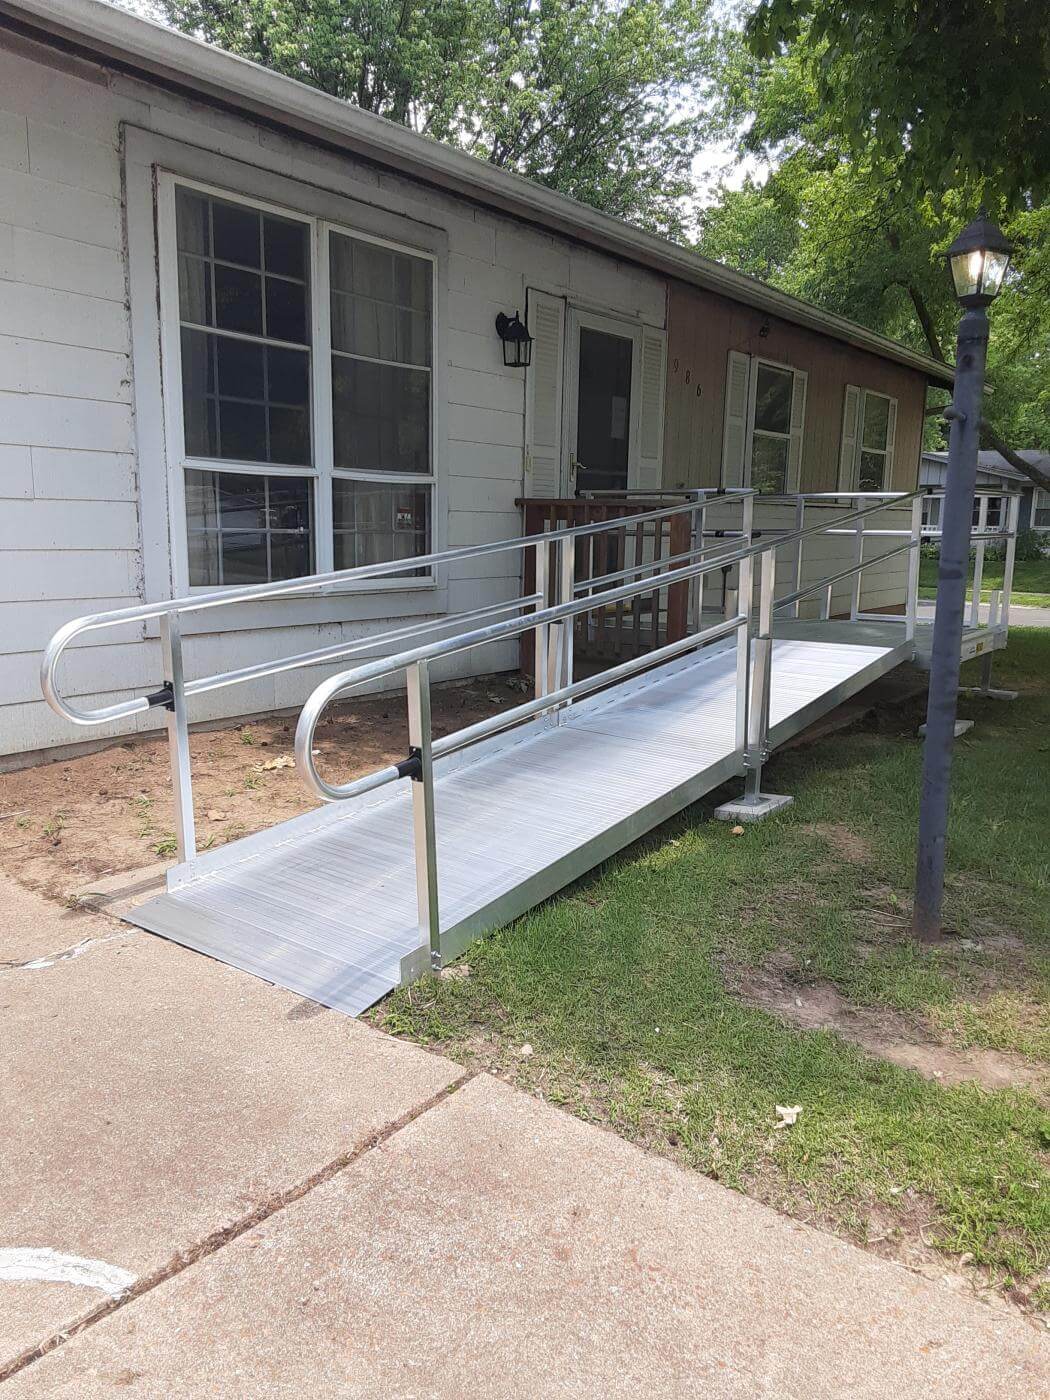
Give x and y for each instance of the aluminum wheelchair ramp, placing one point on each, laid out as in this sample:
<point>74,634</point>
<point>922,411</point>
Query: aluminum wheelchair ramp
<point>326,904</point>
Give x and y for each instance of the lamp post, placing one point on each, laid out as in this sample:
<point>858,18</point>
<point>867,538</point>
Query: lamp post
<point>978,260</point>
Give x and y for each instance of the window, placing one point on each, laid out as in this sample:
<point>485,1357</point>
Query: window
<point>993,518</point>
<point>771,431</point>
<point>1041,509</point>
<point>381,401</point>
<point>764,419</point>
<point>873,474</point>
<point>931,512</point>
<point>295,413</point>
<point>869,426</point>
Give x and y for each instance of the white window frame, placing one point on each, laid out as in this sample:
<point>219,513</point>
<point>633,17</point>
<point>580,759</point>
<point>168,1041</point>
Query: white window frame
<point>931,513</point>
<point>888,452</point>
<point>322,471</point>
<point>1040,501</point>
<point>792,477</point>
<point>986,510</point>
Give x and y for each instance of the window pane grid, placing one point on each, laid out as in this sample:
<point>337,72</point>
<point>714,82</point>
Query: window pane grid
<point>771,429</point>
<point>244,279</point>
<point>245,528</point>
<point>381,342</point>
<point>375,522</point>
<point>190,257</point>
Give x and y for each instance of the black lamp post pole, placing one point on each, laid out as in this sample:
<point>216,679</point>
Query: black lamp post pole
<point>963,440</point>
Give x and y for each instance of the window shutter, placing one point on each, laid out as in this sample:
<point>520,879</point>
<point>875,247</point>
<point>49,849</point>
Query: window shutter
<point>648,472</point>
<point>543,395</point>
<point>891,434</point>
<point>798,424</point>
<point>734,431</point>
<point>850,438</point>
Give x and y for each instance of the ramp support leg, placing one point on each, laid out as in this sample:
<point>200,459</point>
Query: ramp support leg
<point>756,804</point>
<point>178,737</point>
<point>423,828</point>
<point>986,690</point>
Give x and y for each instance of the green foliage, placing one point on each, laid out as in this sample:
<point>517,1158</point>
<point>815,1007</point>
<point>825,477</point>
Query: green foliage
<point>859,226</point>
<point>958,89</point>
<point>1028,547</point>
<point>593,98</point>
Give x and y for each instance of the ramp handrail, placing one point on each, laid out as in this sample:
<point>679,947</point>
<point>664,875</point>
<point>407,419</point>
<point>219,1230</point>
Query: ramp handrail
<point>175,691</point>
<point>552,625</point>
<point>328,583</point>
<point>556,687</point>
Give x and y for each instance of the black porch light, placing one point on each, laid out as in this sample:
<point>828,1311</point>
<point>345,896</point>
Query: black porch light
<point>517,343</point>
<point>978,260</point>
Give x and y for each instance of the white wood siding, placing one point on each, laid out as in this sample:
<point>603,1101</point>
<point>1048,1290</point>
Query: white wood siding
<point>83,509</point>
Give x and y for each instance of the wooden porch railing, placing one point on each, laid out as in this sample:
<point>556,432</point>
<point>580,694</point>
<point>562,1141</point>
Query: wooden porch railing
<point>621,630</point>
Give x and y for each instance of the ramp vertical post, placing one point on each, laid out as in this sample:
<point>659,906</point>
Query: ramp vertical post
<point>1013,515</point>
<point>911,602</point>
<point>178,736</point>
<point>800,525</point>
<point>423,828</point>
<point>858,560</point>
<point>743,635</point>
<point>562,650</point>
<point>978,561</point>
<point>755,804</point>
<point>696,546</point>
<point>540,637</point>
<point>999,611</point>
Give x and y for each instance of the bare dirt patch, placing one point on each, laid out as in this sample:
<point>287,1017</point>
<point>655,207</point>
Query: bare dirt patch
<point>65,824</point>
<point>846,844</point>
<point>904,1040</point>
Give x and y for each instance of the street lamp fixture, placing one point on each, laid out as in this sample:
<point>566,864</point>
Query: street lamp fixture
<point>978,260</point>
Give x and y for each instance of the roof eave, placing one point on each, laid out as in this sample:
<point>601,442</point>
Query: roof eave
<point>223,77</point>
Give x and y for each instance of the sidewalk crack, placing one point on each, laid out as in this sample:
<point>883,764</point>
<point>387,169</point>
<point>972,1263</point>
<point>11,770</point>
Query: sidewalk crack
<point>226,1234</point>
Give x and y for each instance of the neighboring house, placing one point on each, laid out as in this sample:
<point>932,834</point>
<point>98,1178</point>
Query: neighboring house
<point>247,332</point>
<point>993,470</point>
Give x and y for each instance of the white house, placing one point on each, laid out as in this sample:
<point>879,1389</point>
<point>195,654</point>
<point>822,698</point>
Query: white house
<point>247,332</point>
<point>993,472</point>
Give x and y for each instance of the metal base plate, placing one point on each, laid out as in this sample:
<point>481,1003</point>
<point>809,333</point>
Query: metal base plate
<point>753,810</point>
<point>984,694</point>
<point>962,726</point>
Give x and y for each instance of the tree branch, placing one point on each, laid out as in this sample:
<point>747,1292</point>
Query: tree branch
<point>989,437</point>
<point>929,330</point>
<point>992,439</point>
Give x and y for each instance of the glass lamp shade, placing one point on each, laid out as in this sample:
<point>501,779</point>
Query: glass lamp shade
<point>978,260</point>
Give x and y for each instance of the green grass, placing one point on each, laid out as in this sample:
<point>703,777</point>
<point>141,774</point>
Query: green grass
<point>1031,581</point>
<point>627,986</point>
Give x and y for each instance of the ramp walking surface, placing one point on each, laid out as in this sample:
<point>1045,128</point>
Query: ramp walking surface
<point>326,904</point>
<point>308,1207</point>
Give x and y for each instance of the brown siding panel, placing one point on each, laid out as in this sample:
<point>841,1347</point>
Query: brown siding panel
<point>704,327</point>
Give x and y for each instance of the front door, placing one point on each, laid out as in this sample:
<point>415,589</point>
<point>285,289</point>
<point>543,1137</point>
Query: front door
<point>599,403</point>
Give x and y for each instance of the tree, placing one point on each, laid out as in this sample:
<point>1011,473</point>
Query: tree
<point>960,89</point>
<point>859,229</point>
<point>589,97</point>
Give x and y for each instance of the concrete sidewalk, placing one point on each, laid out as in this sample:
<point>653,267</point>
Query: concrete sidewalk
<point>305,1206</point>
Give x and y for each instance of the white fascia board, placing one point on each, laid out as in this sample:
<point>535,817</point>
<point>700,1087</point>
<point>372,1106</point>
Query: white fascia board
<point>213,73</point>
